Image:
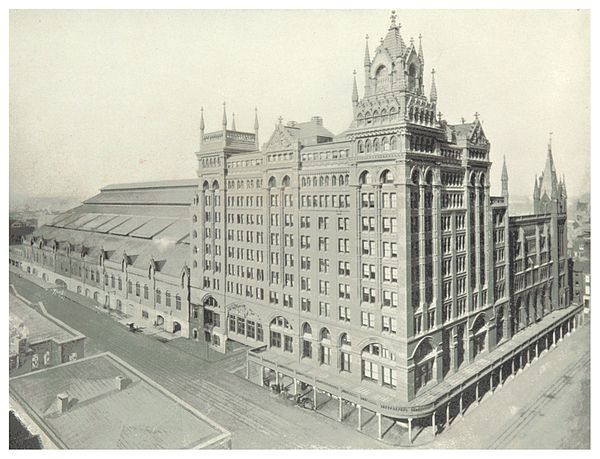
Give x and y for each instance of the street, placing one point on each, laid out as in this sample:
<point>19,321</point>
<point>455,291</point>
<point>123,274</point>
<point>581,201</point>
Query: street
<point>545,406</point>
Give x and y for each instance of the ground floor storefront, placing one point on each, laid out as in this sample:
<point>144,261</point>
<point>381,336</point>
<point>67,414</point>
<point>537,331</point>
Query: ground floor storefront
<point>436,408</point>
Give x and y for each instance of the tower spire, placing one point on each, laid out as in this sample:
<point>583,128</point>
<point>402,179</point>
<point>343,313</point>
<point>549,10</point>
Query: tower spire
<point>354,90</point>
<point>433,96</point>
<point>421,49</point>
<point>233,122</point>
<point>224,117</point>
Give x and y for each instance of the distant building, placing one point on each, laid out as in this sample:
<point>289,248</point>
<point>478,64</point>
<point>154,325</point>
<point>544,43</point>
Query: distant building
<point>18,229</point>
<point>101,402</point>
<point>581,282</point>
<point>39,341</point>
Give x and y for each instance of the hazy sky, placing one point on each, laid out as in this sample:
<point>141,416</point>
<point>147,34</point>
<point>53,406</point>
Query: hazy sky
<point>100,97</point>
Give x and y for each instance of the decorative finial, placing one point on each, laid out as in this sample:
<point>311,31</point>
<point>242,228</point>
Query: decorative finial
<point>412,41</point>
<point>462,120</point>
<point>280,119</point>
<point>202,118</point>
<point>381,40</point>
<point>224,117</point>
<point>440,117</point>
<point>393,18</point>
<point>233,122</point>
<point>255,119</point>
<point>354,72</point>
<point>476,115</point>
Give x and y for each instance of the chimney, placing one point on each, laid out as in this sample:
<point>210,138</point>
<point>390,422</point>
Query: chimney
<point>22,345</point>
<point>317,120</point>
<point>121,382</point>
<point>62,402</point>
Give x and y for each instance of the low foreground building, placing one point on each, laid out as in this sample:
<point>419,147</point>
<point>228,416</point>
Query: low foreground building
<point>39,340</point>
<point>101,402</point>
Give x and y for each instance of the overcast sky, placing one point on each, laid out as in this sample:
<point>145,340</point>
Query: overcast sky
<point>100,97</point>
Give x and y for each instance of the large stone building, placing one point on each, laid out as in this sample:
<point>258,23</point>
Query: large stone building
<point>374,262</point>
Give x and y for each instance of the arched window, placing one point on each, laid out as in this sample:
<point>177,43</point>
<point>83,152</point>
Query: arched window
<point>333,180</point>
<point>146,292</point>
<point>281,335</point>
<point>364,178</point>
<point>286,181</point>
<point>137,289</point>
<point>387,177</point>
<point>120,284</point>
<point>479,334</point>
<point>306,341</point>
<point>384,116</point>
<point>385,144</point>
<point>272,182</point>
<point>158,296</point>
<point>178,302</point>
<point>210,301</point>
<point>423,358</point>
<point>412,77</point>
<point>168,298</point>
<point>376,146</point>
<point>378,364</point>
<point>215,185</point>
<point>325,347</point>
<point>129,287</point>
<point>360,146</point>
<point>368,147</point>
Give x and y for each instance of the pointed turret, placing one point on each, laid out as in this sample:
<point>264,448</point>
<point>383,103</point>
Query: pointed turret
<point>549,181</point>
<point>354,91</point>
<point>367,60</point>
<point>224,117</point>
<point>433,96</point>
<point>505,179</point>
<point>201,125</point>
<point>420,54</point>
<point>256,126</point>
<point>233,122</point>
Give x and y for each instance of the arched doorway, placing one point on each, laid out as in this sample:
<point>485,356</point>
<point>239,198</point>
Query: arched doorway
<point>160,321</point>
<point>79,289</point>
<point>176,327</point>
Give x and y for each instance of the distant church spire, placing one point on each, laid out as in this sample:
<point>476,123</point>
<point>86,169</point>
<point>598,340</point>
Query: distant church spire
<point>233,122</point>
<point>201,125</point>
<point>256,126</point>
<point>354,91</point>
<point>504,178</point>
<point>433,96</point>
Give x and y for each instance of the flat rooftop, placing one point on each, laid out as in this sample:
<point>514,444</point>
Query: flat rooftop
<point>142,415</point>
<point>26,322</point>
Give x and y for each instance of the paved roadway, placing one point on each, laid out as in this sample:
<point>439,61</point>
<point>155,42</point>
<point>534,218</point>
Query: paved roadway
<point>546,406</point>
<point>254,417</point>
